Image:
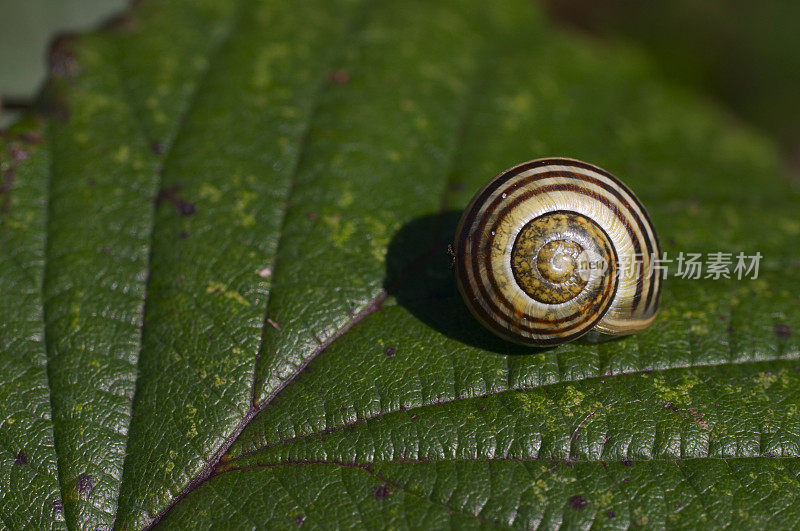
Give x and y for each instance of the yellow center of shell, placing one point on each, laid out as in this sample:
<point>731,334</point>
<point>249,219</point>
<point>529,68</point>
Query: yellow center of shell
<point>546,261</point>
<point>557,261</point>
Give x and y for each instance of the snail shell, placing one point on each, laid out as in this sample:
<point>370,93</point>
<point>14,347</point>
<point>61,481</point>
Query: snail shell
<point>553,248</point>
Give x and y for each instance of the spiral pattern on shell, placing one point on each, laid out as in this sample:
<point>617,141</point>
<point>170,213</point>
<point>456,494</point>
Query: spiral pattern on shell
<point>553,248</point>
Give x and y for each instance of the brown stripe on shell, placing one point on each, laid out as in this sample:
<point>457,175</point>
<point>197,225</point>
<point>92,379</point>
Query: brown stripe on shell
<point>495,187</point>
<point>579,164</point>
<point>515,203</point>
<point>468,229</point>
<point>489,298</point>
<point>492,208</point>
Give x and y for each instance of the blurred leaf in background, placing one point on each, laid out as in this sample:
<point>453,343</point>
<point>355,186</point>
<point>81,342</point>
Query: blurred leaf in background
<point>745,53</point>
<point>26,29</point>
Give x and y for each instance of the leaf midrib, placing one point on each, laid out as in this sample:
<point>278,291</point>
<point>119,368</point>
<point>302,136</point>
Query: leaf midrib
<point>373,306</point>
<point>44,301</point>
<point>230,466</point>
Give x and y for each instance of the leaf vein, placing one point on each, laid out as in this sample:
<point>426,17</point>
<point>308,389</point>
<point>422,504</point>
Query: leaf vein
<point>455,398</point>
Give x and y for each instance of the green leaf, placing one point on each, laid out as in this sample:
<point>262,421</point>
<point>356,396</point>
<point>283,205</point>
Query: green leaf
<point>28,476</point>
<point>224,277</point>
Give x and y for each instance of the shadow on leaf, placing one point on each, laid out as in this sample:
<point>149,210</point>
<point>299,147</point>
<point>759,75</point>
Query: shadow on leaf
<point>419,275</point>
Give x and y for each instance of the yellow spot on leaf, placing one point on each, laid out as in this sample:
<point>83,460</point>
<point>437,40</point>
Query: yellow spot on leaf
<point>217,288</point>
<point>122,154</point>
<point>210,192</point>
